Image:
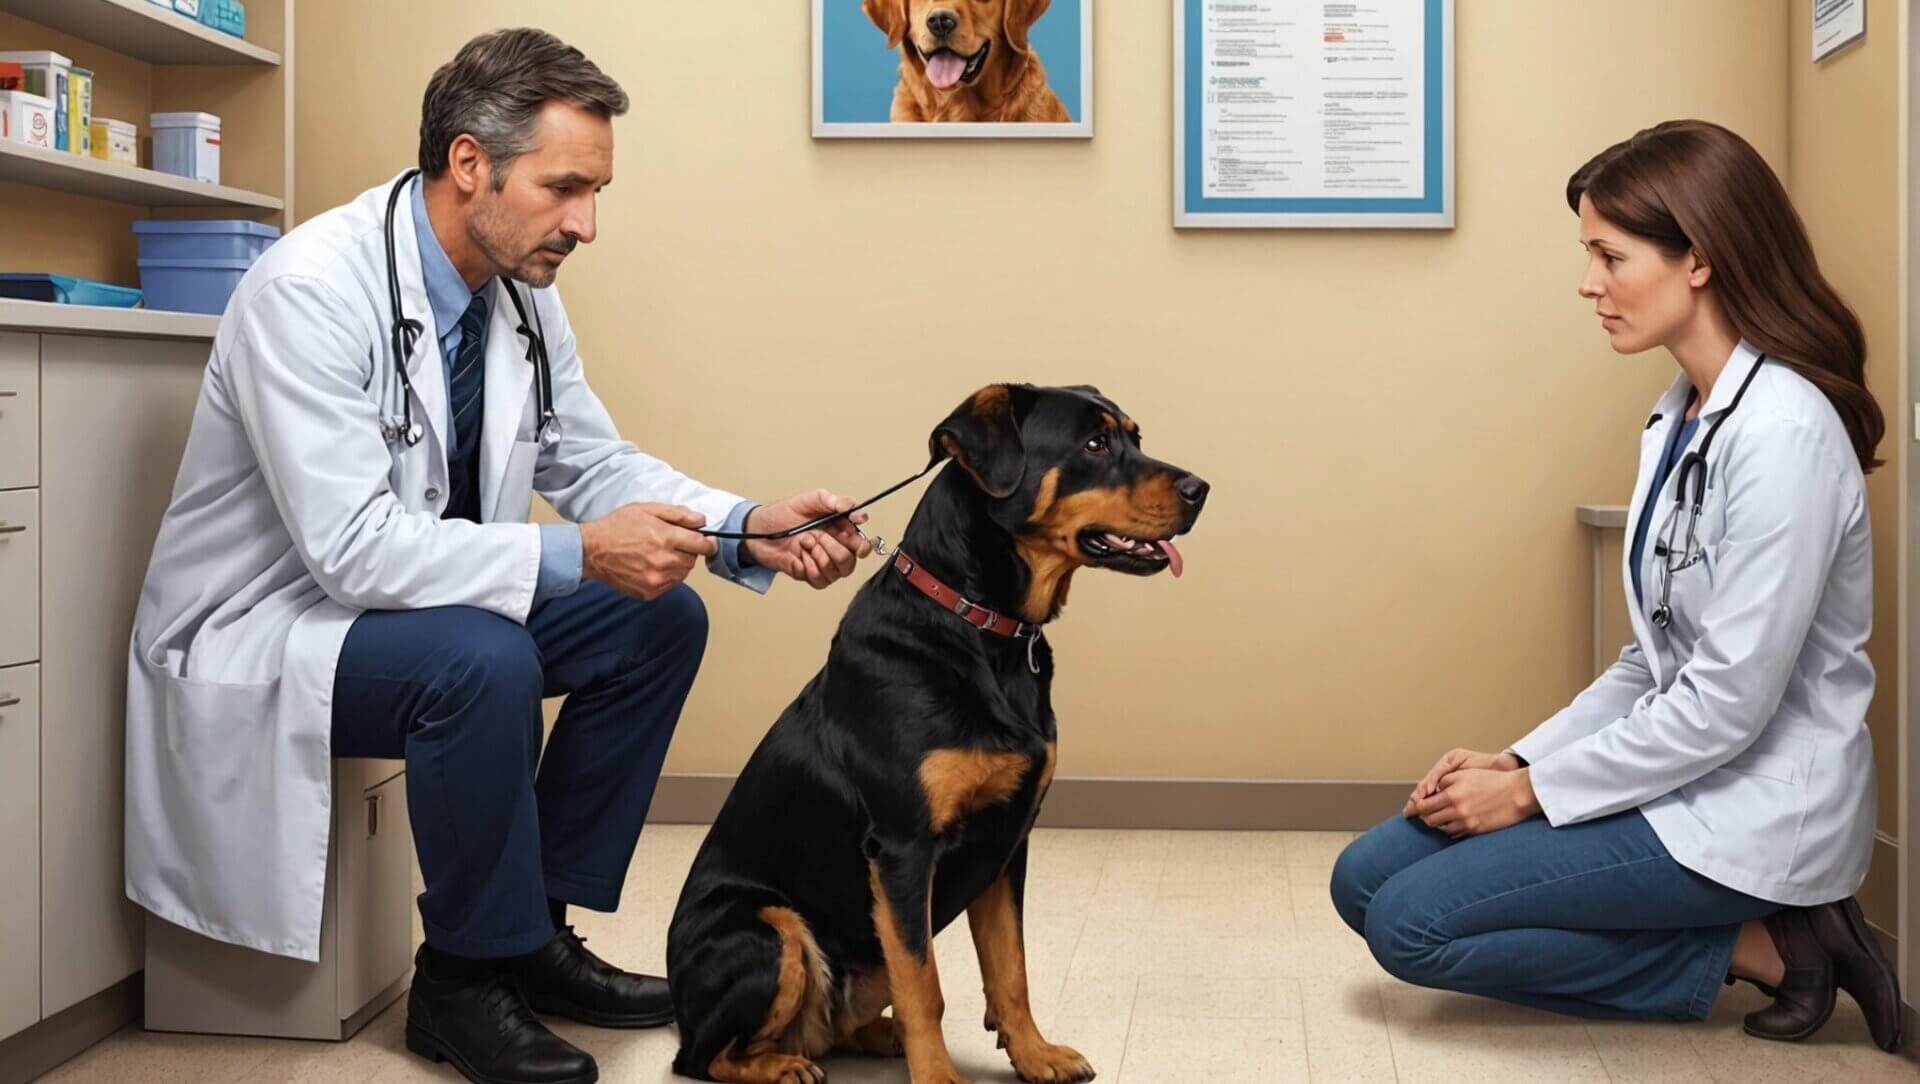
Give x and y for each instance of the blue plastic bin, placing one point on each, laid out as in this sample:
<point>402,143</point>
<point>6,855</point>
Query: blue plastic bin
<point>194,266</point>
<point>191,285</point>
<point>67,290</point>
<point>227,16</point>
<point>215,239</point>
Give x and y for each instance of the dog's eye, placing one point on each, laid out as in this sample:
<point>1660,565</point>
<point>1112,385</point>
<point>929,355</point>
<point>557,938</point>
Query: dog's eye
<point>1099,445</point>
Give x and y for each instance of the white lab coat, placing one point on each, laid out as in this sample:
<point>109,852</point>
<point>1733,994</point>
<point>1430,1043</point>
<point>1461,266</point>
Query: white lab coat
<point>1740,733</point>
<point>290,516</point>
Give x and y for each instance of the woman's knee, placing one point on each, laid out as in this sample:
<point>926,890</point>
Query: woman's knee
<point>1352,886</point>
<point>1399,931</point>
<point>1367,863</point>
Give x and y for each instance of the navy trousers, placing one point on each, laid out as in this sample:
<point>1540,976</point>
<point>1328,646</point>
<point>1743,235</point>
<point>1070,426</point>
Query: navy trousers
<point>498,828</point>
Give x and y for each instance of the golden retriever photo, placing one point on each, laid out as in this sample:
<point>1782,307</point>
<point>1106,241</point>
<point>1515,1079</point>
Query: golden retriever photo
<point>967,60</point>
<point>918,67</point>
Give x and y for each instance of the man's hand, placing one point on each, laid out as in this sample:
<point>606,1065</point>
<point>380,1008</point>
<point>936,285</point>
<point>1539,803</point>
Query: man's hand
<point>644,550</point>
<point>819,557</point>
<point>1453,761</point>
<point>1475,801</point>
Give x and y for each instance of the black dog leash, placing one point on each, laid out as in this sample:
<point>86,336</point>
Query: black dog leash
<point>821,521</point>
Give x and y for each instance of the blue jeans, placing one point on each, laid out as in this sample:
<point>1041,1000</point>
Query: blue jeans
<point>457,692</point>
<point>1592,919</point>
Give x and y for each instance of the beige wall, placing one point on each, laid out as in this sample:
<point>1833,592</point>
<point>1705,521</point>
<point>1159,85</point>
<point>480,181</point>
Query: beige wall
<point>1397,425</point>
<point>1844,174</point>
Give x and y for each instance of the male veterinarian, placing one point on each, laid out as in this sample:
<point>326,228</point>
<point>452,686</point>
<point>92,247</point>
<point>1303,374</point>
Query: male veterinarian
<point>345,569</point>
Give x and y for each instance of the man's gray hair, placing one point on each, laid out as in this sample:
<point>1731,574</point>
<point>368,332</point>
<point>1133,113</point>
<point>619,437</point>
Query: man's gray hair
<point>494,88</point>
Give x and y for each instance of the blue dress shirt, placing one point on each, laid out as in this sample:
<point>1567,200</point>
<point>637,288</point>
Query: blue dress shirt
<point>561,555</point>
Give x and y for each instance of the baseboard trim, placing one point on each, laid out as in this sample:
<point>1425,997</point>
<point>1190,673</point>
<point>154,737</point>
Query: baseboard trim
<point>52,1041</point>
<point>1300,805</point>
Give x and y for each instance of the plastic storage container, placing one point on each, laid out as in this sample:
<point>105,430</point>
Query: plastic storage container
<point>67,290</point>
<point>226,16</point>
<point>26,118</point>
<point>194,266</point>
<point>115,141</point>
<point>212,239</point>
<point>187,145</point>
<point>47,75</point>
<point>80,111</point>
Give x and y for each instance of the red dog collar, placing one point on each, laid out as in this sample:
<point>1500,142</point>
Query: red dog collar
<point>978,616</point>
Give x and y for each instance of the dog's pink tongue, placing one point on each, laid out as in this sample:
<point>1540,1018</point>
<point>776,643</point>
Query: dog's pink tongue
<point>944,70</point>
<point>1174,562</point>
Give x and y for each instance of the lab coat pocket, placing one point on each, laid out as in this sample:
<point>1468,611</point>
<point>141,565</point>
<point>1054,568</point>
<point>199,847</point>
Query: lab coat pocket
<point>1777,754</point>
<point>227,732</point>
<point>516,486</point>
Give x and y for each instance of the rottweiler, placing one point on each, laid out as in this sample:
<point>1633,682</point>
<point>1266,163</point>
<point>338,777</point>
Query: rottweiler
<point>898,789</point>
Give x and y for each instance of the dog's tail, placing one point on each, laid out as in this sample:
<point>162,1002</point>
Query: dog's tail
<point>752,981</point>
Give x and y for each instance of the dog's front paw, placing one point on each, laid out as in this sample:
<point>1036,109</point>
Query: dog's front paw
<point>1050,1063</point>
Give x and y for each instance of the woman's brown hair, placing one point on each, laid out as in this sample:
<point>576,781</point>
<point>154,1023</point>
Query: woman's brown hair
<point>1688,185</point>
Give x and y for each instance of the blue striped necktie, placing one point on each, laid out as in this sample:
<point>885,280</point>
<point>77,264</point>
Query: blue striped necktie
<point>464,396</point>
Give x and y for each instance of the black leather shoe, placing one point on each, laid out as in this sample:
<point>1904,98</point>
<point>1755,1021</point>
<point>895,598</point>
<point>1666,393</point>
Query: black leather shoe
<point>1860,968</point>
<point>483,1027</point>
<point>564,979</point>
<point>1805,998</point>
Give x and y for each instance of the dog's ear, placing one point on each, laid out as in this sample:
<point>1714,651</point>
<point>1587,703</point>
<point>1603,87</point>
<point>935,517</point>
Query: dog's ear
<point>890,16</point>
<point>983,436</point>
<point>1020,15</point>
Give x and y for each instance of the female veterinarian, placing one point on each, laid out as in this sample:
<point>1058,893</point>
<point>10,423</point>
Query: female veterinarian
<point>1704,810</point>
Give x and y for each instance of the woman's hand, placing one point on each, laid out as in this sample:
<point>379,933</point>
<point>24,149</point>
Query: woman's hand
<point>1475,801</point>
<point>1453,762</point>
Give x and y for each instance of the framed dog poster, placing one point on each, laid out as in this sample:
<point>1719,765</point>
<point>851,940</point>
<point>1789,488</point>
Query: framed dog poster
<point>921,69</point>
<point>1302,113</point>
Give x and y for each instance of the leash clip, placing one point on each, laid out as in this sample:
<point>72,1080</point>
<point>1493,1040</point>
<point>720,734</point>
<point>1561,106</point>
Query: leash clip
<point>1033,644</point>
<point>879,544</point>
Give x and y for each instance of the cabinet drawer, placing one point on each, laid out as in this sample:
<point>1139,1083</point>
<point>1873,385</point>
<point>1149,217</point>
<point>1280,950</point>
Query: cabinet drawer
<point>19,410</point>
<point>376,882</point>
<point>19,576</point>
<point>19,848</point>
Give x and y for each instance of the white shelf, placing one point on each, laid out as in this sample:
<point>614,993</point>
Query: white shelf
<point>1603,516</point>
<point>113,323</point>
<point>142,30</point>
<point>83,176</point>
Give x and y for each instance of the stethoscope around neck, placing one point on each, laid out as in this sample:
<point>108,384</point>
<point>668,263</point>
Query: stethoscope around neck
<point>1692,466</point>
<point>405,335</point>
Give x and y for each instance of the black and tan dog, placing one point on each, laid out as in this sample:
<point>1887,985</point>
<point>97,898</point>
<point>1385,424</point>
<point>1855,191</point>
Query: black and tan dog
<point>897,791</point>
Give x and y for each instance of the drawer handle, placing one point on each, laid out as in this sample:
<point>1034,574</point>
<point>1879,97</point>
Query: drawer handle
<point>12,528</point>
<point>373,816</point>
<point>7,701</point>
<point>9,395</point>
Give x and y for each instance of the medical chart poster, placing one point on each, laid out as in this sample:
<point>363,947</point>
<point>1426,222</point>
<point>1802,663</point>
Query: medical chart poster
<point>1836,25</point>
<point>1313,113</point>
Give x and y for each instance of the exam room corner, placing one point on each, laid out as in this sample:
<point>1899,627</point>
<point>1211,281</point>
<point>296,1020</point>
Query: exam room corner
<point>1339,481</point>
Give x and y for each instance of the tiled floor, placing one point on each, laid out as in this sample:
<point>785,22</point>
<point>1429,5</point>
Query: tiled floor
<point>1165,957</point>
